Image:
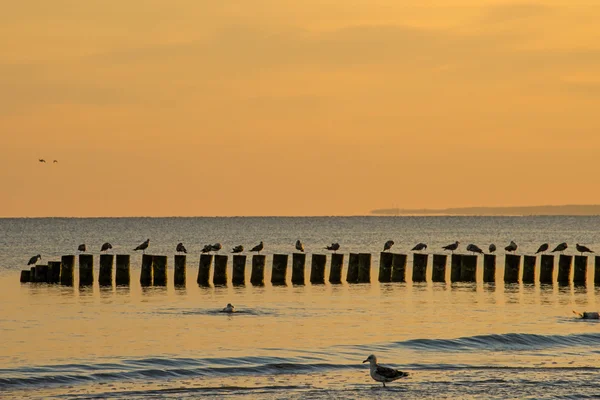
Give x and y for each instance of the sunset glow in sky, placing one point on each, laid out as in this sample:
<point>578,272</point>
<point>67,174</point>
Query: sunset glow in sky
<point>314,107</point>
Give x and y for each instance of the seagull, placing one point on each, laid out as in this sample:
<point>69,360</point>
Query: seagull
<point>299,246</point>
<point>419,247</point>
<point>383,374</point>
<point>106,246</point>
<point>582,249</point>
<point>388,245</point>
<point>561,247</point>
<point>216,247</point>
<point>229,308</point>
<point>34,259</point>
<point>512,247</point>
<point>237,249</point>
<point>258,247</point>
<point>181,248</point>
<point>452,246</point>
<point>474,249</point>
<point>492,248</point>
<point>334,246</point>
<point>42,160</point>
<point>81,247</point>
<point>543,248</point>
<point>143,246</point>
<point>207,248</point>
<point>588,315</point>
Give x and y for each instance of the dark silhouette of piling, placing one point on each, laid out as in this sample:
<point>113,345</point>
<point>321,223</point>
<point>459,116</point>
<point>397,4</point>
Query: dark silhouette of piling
<point>317,268</point>
<point>419,267</point>
<point>179,273</point>
<point>279,269</point>
<point>385,266</point>
<point>438,273</point>
<point>580,270</point>
<point>204,269</point>
<point>399,268</point>
<point>122,276</point>
<point>67,263</point>
<point>597,270</point>
<point>86,270</point>
<point>25,276</point>
<point>257,276</point>
<point>337,263</point>
<point>54,271</point>
<point>239,269</point>
<point>41,273</point>
<point>468,268</point>
<point>511,268</point>
<point>546,268</point>
<point>529,269</point>
<point>146,271</point>
<point>32,274</point>
<point>159,270</point>
<point>220,275</point>
<point>455,267</point>
<point>489,268</point>
<point>298,267</point>
<point>564,269</point>
<point>364,268</point>
<point>105,274</point>
<point>352,275</point>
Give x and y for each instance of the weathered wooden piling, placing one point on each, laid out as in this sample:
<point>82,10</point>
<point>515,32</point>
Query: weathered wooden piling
<point>159,270</point>
<point>317,268</point>
<point>105,274</point>
<point>455,267</point>
<point>337,264</point>
<point>146,271</point>
<point>298,268</point>
<point>419,267</point>
<point>279,269</point>
<point>468,268</point>
<point>220,275</point>
<point>529,269</point>
<point>25,276</point>
<point>385,266</point>
<point>239,269</point>
<point>546,268</point>
<point>352,274</point>
<point>86,270</point>
<point>364,268</point>
<point>597,270</point>
<point>179,273</point>
<point>580,270</point>
<point>41,273</point>
<point>204,269</point>
<point>438,273</point>
<point>512,262</point>
<point>489,268</point>
<point>122,276</point>
<point>399,268</point>
<point>67,263</point>
<point>32,274</point>
<point>564,268</point>
<point>54,271</point>
<point>257,276</point>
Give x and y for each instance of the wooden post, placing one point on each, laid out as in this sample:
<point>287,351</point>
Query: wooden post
<point>317,268</point>
<point>54,271</point>
<point>106,270</point>
<point>580,272</point>
<point>489,268</point>
<point>257,276</point>
<point>25,276</point>
<point>352,275</point>
<point>385,266</point>
<point>159,270</point>
<point>597,270</point>
<point>455,267</point>
<point>122,276</point>
<point>529,269</point>
<point>546,268</point>
<point>337,264</point>
<point>41,273</point>
<point>67,264</point>
<point>220,275</point>
<point>32,274</point>
<point>239,269</point>
<point>419,267</point>
<point>298,266</point>
<point>512,262</point>
<point>399,268</point>
<point>364,268</point>
<point>86,270</point>
<point>564,269</point>
<point>204,269</point>
<point>468,268</point>
<point>179,274</point>
<point>279,269</point>
<point>439,268</point>
<point>146,271</point>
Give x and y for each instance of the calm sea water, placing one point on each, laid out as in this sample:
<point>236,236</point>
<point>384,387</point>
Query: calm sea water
<point>457,341</point>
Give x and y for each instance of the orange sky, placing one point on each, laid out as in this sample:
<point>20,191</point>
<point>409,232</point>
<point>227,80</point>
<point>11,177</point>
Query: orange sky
<point>280,107</point>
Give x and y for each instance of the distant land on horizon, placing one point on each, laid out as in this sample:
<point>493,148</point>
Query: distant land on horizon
<point>500,211</point>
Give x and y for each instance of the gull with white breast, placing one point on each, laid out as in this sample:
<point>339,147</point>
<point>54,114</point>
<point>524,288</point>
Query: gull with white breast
<point>383,374</point>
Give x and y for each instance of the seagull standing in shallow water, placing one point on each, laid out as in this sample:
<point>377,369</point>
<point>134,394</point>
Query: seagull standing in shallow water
<point>229,308</point>
<point>383,374</point>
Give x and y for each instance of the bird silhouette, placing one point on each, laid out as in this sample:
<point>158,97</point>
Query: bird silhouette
<point>237,249</point>
<point>55,162</point>
<point>299,246</point>
<point>492,248</point>
<point>207,248</point>
<point>474,249</point>
<point>81,247</point>
<point>388,245</point>
<point>216,247</point>
<point>258,248</point>
<point>34,259</point>
<point>543,248</point>
<point>419,247</point>
<point>561,247</point>
<point>512,247</point>
<point>106,246</point>
<point>143,246</point>
<point>452,246</point>
<point>582,249</point>
<point>181,248</point>
<point>334,246</point>
<point>42,160</point>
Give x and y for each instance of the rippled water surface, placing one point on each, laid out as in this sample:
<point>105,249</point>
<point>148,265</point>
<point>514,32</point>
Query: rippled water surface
<point>468,340</point>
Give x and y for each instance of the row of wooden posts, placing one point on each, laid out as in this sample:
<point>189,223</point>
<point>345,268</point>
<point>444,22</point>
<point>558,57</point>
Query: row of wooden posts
<point>392,268</point>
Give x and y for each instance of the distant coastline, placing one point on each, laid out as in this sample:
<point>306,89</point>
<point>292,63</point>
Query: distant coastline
<point>593,209</point>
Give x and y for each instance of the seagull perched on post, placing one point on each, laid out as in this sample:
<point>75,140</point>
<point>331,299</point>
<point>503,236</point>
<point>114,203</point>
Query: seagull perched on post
<point>207,248</point>
<point>216,247</point>
<point>582,249</point>
<point>181,248</point>
<point>299,246</point>
<point>34,259</point>
<point>383,374</point>
<point>452,246</point>
<point>492,248</point>
<point>512,247</point>
<point>561,247</point>
<point>388,245</point>
<point>143,246</point>
<point>81,247</point>
<point>106,246</point>
<point>474,249</point>
<point>237,249</point>
<point>258,248</point>
<point>334,246</point>
<point>419,247</point>
<point>543,248</point>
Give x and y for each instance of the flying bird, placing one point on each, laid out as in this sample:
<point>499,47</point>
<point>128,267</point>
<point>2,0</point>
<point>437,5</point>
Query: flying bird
<point>81,247</point>
<point>334,246</point>
<point>258,247</point>
<point>474,249</point>
<point>299,246</point>
<point>582,249</point>
<point>34,259</point>
<point>452,246</point>
<point>561,247</point>
<point>143,246</point>
<point>419,247</point>
<point>181,248</point>
<point>237,249</point>
<point>383,374</point>
<point>512,247</point>
<point>55,162</point>
<point>207,248</point>
<point>543,248</point>
<point>492,248</point>
<point>106,246</point>
<point>42,160</point>
<point>216,247</point>
<point>388,245</point>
